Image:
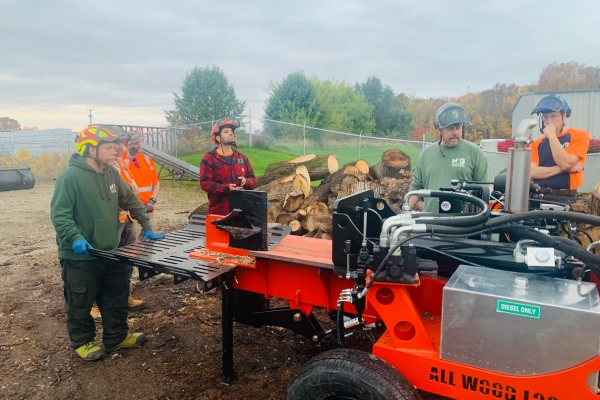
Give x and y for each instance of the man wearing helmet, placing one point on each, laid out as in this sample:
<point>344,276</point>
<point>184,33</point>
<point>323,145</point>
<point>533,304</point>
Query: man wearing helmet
<point>224,169</point>
<point>558,156</point>
<point>140,168</point>
<point>84,213</point>
<point>452,157</point>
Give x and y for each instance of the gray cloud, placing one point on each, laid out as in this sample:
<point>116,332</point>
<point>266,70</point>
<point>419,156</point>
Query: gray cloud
<point>134,54</point>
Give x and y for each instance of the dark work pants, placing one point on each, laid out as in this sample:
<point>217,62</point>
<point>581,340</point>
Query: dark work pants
<point>105,282</point>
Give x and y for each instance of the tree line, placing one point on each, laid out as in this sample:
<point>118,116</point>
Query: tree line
<point>370,107</point>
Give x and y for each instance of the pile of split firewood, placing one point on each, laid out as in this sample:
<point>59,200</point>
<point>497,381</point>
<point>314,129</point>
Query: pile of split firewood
<point>307,209</point>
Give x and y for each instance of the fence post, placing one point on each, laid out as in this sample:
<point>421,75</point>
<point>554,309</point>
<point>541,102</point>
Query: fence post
<point>304,133</point>
<point>250,125</point>
<point>359,143</point>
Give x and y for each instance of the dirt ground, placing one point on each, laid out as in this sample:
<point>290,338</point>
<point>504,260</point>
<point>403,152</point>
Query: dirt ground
<point>182,357</point>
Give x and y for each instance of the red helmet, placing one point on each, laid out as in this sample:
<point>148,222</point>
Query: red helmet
<point>96,134</point>
<point>223,123</point>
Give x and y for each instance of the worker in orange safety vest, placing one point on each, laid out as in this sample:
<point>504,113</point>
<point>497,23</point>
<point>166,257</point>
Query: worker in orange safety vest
<point>140,167</point>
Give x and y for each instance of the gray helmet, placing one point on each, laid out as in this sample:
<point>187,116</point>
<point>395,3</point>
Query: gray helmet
<point>134,137</point>
<point>451,114</point>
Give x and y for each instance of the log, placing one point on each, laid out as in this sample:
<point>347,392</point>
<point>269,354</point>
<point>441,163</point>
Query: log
<point>595,201</point>
<point>296,228</point>
<point>361,165</point>
<point>319,195</point>
<point>317,208</point>
<point>300,182</point>
<point>355,187</point>
<point>285,218</point>
<point>277,190</point>
<point>317,167</point>
<point>392,162</point>
<point>319,234</point>
<point>302,170</point>
<point>319,221</point>
<point>336,179</point>
<point>293,200</point>
<point>273,212</point>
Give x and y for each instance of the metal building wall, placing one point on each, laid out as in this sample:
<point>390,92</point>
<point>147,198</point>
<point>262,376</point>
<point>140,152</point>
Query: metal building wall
<point>585,104</point>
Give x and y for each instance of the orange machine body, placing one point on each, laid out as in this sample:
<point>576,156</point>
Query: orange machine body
<point>300,270</point>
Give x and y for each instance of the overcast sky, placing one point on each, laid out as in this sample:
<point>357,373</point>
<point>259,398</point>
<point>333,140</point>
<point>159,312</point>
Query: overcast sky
<point>125,58</point>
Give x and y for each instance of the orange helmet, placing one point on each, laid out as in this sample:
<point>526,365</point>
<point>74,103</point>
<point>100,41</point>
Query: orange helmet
<point>93,135</point>
<point>223,123</point>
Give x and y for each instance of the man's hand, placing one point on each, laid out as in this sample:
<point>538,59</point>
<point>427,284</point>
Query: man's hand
<point>242,181</point>
<point>150,205</point>
<point>150,235</point>
<point>550,130</point>
<point>577,168</point>
<point>233,186</point>
<point>81,246</point>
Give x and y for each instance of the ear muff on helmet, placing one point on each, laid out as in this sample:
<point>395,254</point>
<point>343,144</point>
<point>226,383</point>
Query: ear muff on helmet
<point>553,103</point>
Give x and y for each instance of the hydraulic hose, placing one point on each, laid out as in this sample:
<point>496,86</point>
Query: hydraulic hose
<point>558,243</point>
<point>387,256</point>
<point>451,219</point>
<point>529,215</point>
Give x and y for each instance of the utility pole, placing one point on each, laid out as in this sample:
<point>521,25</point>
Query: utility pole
<point>250,125</point>
<point>90,109</point>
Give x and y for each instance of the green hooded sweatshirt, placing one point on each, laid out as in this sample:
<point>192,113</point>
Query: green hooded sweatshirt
<point>86,205</point>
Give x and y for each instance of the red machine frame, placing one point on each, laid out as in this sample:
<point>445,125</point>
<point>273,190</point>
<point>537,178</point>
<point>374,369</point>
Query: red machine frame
<point>300,270</point>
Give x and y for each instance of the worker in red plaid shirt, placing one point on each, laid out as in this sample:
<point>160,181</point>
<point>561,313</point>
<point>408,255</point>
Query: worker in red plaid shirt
<point>224,169</point>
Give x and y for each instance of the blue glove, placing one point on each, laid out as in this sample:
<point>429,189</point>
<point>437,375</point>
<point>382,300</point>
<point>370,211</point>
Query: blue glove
<point>80,246</point>
<point>150,235</point>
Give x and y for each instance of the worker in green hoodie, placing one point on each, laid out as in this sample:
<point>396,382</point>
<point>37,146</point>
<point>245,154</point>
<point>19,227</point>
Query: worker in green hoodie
<point>85,214</point>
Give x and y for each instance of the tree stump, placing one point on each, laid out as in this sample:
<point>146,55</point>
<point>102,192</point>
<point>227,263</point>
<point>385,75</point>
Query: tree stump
<point>392,162</point>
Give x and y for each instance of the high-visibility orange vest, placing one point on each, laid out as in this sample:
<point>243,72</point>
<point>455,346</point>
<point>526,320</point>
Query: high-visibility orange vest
<point>141,169</point>
<point>120,165</point>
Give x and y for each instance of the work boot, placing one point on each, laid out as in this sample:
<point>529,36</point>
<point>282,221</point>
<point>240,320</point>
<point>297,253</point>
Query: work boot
<point>90,352</point>
<point>95,313</point>
<point>135,305</point>
<point>132,340</point>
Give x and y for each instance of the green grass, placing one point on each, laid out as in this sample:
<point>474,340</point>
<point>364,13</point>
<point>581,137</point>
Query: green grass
<point>259,158</point>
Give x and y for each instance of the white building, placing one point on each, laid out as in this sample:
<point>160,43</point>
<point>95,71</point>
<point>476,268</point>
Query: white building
<point>37,142</point>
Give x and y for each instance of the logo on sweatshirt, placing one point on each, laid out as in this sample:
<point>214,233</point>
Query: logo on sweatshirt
<point>113,188</point>
<point>458,162</point>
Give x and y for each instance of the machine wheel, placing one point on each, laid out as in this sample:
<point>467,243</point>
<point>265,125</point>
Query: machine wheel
<point>349,374</point>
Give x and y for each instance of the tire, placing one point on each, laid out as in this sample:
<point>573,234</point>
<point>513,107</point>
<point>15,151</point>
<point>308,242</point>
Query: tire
<point>349,374</point>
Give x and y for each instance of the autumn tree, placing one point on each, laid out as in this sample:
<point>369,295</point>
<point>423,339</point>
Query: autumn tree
<point>9,124</point>
<point>569,75</point>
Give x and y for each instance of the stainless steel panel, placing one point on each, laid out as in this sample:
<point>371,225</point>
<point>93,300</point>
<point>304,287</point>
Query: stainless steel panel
<point>545,324</point>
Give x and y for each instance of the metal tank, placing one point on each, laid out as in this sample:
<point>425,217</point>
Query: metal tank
<point>518,324</point>
<point>16,179</point>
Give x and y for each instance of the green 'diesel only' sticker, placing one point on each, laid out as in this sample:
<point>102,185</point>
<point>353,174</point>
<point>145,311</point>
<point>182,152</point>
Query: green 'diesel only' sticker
<point>522,310</point>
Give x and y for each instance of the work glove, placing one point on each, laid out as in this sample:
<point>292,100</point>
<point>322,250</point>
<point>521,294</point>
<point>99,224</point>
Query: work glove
<point>81,246</point>
<point>150,205</point>
<point>150,235</point>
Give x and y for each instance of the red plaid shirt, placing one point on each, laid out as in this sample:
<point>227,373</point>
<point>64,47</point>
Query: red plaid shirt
<point>216,175</point>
